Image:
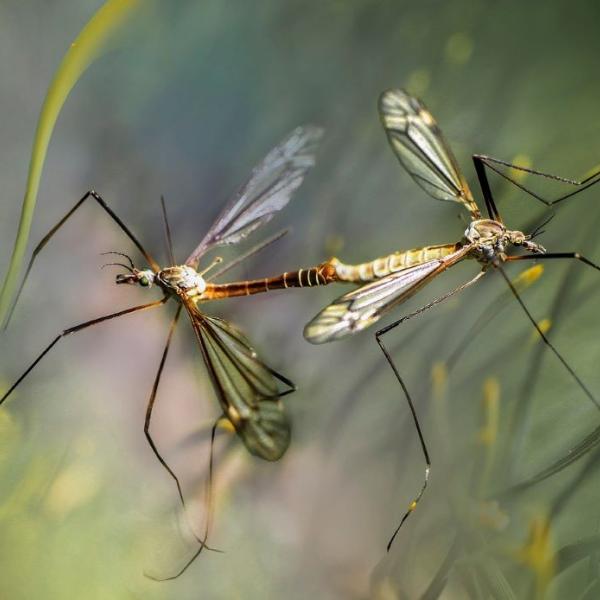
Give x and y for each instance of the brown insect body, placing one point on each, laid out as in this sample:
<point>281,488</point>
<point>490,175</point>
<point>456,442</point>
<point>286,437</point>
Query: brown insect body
<point>320,275</point>
<point>488,241</point>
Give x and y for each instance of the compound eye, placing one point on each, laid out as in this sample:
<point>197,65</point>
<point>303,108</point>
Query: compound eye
<point>144,281</point>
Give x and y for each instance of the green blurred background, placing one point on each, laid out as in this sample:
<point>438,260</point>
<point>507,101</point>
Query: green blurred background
<point>193,97</point>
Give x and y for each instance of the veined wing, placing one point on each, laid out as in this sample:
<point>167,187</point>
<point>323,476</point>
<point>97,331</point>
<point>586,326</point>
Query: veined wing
<point>267,191</point>
<point>247,388</point>
<point>421,148</point>
<point>362,307</point>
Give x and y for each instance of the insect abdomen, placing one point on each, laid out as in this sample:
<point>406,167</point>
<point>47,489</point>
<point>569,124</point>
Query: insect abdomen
<point>320,275</point>
<point>383,266</point>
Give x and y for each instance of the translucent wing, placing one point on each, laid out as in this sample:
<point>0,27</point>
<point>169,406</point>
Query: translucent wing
<point>268,190</point>
<point>420,146</point>
<point>362,307</point>
<point>247,388</point>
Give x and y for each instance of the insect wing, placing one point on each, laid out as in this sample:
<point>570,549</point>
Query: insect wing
<point>268,190</point>
<point>421,148</point>
<point>362,307</point>
<point>247,388</point>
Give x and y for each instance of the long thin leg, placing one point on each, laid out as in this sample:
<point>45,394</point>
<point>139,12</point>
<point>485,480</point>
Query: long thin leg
<point>48,236</point>
<point>582,185</point>
<point>548,343</point>
<point>75,329</point>
<point>485,189</point>
<point>148,418</point>
<point>519,414</point>
<point>554,255</point>
<point>411,405</point>
<point>378,335</point>
<point>209,486</point>
<point>150,407</point>
<point>167,231</point>
<point>431,304</point>
<point>290,384</point>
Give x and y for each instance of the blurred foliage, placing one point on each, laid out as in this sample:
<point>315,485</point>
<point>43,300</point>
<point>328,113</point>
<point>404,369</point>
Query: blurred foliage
<point>196,95</point>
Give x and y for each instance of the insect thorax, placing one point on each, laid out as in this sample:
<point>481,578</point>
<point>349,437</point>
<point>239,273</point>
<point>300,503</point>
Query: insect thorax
<point>182,279</point>
<point>491,239</point>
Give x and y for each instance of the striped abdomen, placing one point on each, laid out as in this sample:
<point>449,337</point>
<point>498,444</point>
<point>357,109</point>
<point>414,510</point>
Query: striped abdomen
<point>380,267</point>
<point>320,275</point>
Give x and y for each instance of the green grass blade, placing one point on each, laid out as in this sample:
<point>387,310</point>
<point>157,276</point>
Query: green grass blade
<point>571,554</point>
<point>91,42</point>
<point>587,444</point>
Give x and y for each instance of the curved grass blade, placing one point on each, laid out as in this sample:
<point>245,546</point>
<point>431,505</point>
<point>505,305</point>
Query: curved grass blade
<point>571,554</point>
<point>562,500</point>
<point>588,443</point>
<point>494,579</point>
<point>91,42</point>
<point>436,586</point>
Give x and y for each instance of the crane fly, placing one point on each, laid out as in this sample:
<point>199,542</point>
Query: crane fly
<point>248,390</point>
<point>388,281</point>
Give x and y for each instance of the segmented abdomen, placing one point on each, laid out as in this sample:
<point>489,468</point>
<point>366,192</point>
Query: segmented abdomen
<point>322,274</point>
<point>380,267</point>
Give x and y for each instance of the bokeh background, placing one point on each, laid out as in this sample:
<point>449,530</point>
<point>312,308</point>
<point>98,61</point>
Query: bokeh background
<point>191,98</point>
